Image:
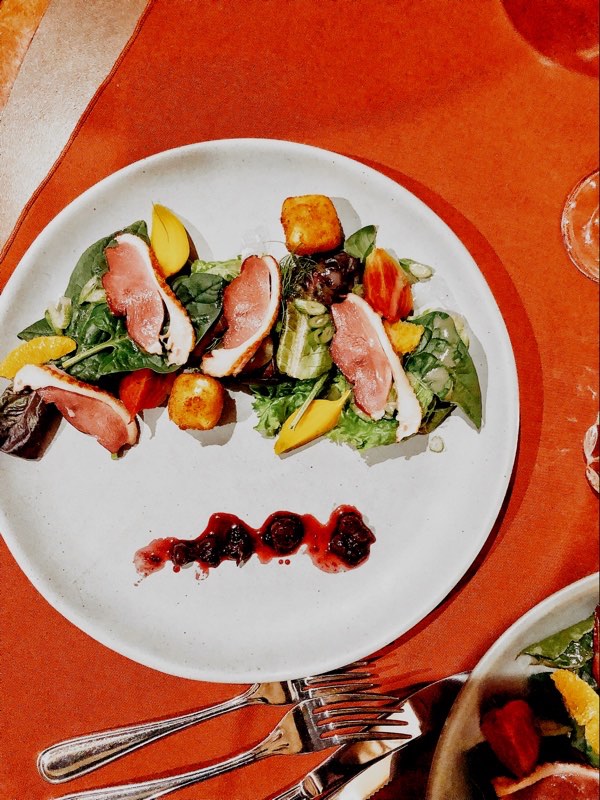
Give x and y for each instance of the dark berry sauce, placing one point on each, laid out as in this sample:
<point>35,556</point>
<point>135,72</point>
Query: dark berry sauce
<point>343,542</point>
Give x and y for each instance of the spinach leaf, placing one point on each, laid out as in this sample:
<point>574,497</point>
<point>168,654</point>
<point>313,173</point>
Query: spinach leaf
<point>362,433</point>
<point>433,410</point>
<point>92,263</point>
<point>442,364</point>
<point>273,403</point>
<point>201,293</point>
<point>570,648</point>
<point>40,328</point>
<point>360,243</point>
<point>436,414</point>
<point>105,348</point>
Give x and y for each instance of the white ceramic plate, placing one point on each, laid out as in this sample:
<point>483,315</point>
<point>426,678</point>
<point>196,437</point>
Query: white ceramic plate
<point>502,669</point>
<point>74,519</point>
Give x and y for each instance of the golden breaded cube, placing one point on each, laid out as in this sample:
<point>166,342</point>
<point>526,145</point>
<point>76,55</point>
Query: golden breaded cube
<point>404,336</point>
<point>311,225</point>
<point>196,401</point>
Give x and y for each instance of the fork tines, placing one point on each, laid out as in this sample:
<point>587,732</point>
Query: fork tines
<point>347,719</point>
<point>346,679</point>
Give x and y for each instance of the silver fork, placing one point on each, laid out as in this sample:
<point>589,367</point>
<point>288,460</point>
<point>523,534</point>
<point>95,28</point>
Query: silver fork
<point>74,757</point>
<point>309,727</point>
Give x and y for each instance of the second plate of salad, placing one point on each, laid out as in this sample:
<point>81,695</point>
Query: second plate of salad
<point>526,723</point>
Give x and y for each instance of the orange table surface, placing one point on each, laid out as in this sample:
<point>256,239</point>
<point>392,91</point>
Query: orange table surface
<point>445,98</point>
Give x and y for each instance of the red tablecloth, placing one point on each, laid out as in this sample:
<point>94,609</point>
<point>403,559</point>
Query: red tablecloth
<point>445,98</point>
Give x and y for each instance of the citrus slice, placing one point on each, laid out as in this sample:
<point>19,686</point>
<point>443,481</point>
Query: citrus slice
<point>582,703</point>
<point>37,351</point>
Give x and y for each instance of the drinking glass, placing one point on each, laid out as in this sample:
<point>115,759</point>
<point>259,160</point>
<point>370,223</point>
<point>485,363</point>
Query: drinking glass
<point>580,225</point>
<point>562,31</point>
<point>566,32</point>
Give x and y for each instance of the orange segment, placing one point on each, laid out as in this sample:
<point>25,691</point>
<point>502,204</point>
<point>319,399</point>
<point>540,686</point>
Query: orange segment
<point>581,702</point>
<point>36,351</point>
<point>404,336</point>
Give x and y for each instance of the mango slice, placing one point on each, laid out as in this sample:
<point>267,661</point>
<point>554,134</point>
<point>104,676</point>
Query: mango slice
<point>169,240</point>
<point>319,418</point>
<point>36,351</point>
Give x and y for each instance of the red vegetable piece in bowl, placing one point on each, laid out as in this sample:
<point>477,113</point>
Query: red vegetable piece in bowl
<point>511,733</point>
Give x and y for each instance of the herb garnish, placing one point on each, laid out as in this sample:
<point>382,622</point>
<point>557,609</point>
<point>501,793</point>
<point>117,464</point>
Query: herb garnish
<point>294,272</point>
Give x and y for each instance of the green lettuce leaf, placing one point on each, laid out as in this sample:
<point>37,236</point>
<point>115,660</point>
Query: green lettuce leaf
<point>300,354</point>
<point>273,403</point>
<point>362,433</point>
<point>228,270</point>
<point>570,648</point>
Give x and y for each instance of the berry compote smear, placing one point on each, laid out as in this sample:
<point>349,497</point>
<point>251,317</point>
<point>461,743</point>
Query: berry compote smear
<point>342,543</point>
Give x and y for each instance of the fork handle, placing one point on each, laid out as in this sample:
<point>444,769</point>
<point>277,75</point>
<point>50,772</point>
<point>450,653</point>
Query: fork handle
<point>74,757</point>
<point>151,790</point>
<point>295,793</point>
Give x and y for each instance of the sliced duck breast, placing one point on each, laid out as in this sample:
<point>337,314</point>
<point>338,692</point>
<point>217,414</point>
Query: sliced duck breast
<point>555,781</point>
<point>363,352</point>
<point>250,306</point>
<point>136,289</point>
<point>90,410</point>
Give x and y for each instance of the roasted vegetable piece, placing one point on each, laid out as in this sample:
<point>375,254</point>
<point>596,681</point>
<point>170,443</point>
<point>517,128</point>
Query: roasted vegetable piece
<point>511,733</point>
<point>144,389</point>
<point>25,421</point>
<point>196,401</point>
<point>387,288</point>
<point>311,224</point>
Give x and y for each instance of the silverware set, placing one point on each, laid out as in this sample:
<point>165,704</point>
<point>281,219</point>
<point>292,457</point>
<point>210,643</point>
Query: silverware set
<point>339,709</point>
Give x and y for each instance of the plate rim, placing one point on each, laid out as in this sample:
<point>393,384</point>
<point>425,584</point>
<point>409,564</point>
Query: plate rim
<point>567,594</point>
<point>505,470</point>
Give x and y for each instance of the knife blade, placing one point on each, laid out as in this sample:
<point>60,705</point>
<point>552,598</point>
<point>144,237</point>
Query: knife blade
<point>353,768</point>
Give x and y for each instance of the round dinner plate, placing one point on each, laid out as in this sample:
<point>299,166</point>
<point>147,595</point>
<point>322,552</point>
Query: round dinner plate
<point>74,519</point>
<point>502,669</point>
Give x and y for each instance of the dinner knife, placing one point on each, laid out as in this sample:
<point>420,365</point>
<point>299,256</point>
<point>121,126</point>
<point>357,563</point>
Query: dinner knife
<point>367,766</point>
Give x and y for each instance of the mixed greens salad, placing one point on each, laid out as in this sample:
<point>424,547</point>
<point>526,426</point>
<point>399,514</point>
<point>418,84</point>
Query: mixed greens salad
<point>301,387</point>
<point>551,733</point>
